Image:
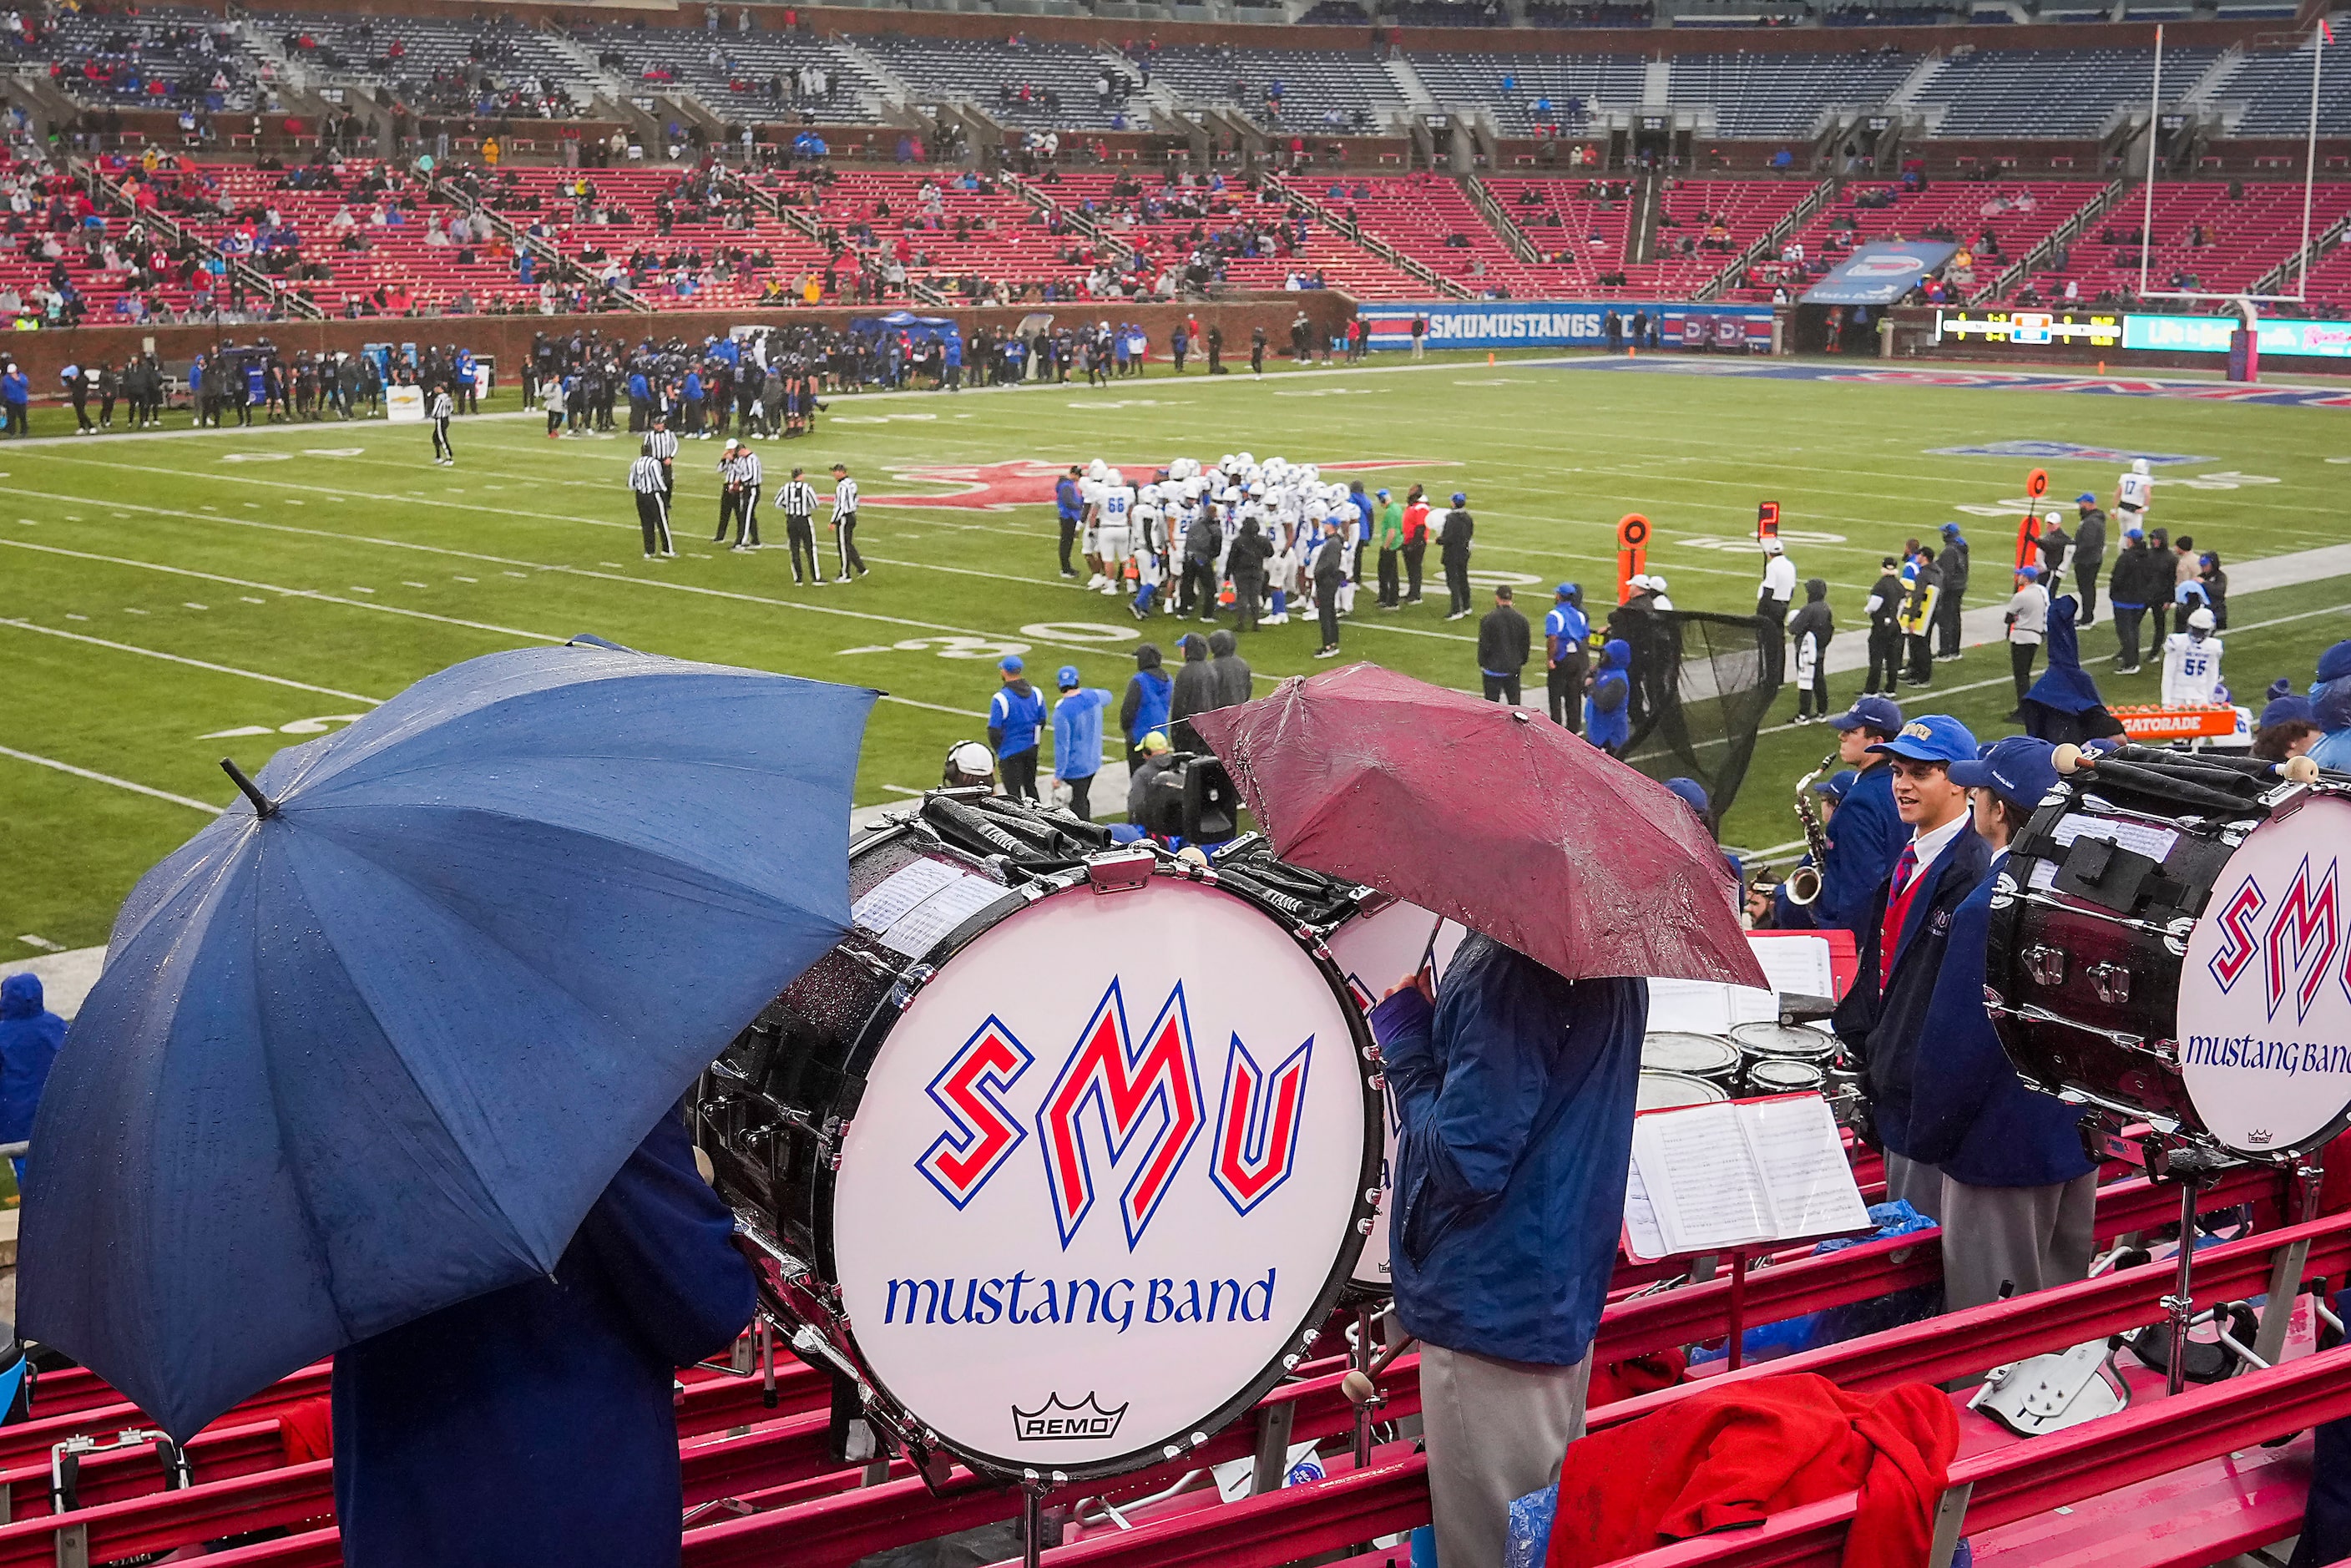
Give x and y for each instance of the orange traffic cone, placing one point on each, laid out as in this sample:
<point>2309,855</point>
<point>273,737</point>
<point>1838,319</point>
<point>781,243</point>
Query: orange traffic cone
<point>1489,356</point>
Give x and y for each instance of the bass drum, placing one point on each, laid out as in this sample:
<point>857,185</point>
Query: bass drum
<point>1062,1157</point>
<point>2167,943</point>
<point>1374,950</point>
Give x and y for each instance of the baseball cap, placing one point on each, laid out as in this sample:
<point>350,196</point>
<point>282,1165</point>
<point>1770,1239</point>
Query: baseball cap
<point>1692,794</point>
<point>2085,499</point>
<point>1154,743</point>
<point>1950,528</point>
<point>1565,591</point>
<point>1657,581</point>
<point>1383,494</point>
<point>2016,769</point>
<point>1460,498</point>
<point>2134,533</point>
<point>1838,785</point>
<point>2288,709</point>
<point>1772,546</point>
<point>1937,738</point>
<point>1010,665</point>
<point>1881,713</point>
<point>1066,676</point>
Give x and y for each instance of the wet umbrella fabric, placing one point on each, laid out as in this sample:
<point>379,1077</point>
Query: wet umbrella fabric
<point>1490,815</point>
<point>378,1050</point>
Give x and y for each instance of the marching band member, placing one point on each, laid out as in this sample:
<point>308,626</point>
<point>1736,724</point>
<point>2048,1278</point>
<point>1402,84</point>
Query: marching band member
<point>1883,1017</point>
<point>1514,1089</point>
<point>2018,1195</point>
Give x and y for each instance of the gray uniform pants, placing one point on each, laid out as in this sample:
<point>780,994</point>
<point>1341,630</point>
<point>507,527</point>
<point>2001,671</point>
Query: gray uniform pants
<point>1496,1430</point>
<point>1920,1186</point>
<point>2028,1236</point>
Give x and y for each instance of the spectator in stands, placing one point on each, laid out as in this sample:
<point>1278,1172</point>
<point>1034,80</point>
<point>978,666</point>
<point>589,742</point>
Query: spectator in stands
<point>1902,938</point>
<point>1514,1089</point>
<point>30,1038</point>
<point>462,1436</point>
<point>2018,1195</point>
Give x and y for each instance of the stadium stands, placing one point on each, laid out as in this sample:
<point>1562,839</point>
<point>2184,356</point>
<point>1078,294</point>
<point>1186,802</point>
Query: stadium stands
<point>1575,87</point>
<point>1784,94</point>
<point>1288,90</point>
<point>2272,88</point>
<point>2051,92</point>
<point>2014,216</point>
<point>499,69</point>
<point>2205,239</point>
<point>742,77</point>
<point>161,58</point>
<point>1037,85</point>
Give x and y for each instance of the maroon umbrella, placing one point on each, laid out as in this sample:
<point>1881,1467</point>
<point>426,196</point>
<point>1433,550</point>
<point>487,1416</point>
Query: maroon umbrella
<point>1489,814</point>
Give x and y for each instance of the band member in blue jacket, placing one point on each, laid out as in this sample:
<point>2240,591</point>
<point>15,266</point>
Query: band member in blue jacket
<point>2019,1193</point>
<point>534,1424</point>
<point>1870,833</point>
<point>1883,1019</point>
<point>1514,1089</point>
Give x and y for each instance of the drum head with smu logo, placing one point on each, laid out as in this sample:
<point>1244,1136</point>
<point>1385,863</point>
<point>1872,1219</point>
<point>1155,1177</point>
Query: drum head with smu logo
<point>2264,1021</point>
<point>1104,1180</point>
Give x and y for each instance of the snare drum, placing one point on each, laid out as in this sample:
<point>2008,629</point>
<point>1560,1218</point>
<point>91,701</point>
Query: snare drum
<point>2169,944</point>
<point>1702,1056</point>
<point>1672,1091</point>
<point>1778,1047</point>
<point>1062,1157</point>
<point>1785,1076</point>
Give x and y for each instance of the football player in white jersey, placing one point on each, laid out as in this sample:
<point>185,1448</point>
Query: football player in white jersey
<point>1115,534</point>
<point>1089,491</point>
<point>1149,545</point>
<point>2134,492</point>
<point>2191,665</point>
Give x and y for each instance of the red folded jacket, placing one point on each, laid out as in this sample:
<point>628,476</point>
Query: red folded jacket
<point>1737,1455</point>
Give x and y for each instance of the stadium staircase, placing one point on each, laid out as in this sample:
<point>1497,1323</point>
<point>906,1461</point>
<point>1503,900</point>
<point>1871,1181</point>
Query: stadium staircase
<point>1497,218</point>
<point>2170,1483</point>
<point>1336,223</point>
<point>109,193</point>
<point>1768,244</point>
<point>2062,237</point>
<point>2310,263</point>
<point>520,237</point>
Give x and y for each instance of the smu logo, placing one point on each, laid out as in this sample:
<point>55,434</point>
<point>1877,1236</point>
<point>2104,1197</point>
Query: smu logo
<point>2294,942</point>
<point>1123,1104</point>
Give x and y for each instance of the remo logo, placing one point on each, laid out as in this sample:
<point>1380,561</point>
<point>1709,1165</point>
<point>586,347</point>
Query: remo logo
<point>1106,1165</point>
<point>2264,1026</point>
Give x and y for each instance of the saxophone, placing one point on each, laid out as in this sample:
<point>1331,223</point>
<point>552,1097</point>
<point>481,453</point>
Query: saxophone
<point>1803,884</point>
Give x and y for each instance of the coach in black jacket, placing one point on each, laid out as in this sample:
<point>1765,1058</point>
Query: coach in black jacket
<point>1504,643</point>
<point>1882,1020</point>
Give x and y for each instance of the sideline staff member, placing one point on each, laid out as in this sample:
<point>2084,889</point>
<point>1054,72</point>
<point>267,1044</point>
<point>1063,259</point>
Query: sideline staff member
<point>1515,1092</point>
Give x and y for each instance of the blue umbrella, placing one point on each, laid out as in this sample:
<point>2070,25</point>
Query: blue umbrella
<point>374,1043</point>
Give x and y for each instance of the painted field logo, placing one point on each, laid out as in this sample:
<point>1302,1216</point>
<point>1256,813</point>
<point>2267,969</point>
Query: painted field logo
<point>1029,481</point>
<point>1057,1418</point>
<point>2057,451</point>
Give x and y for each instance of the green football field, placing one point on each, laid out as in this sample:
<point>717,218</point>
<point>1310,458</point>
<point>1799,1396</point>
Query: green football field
<point>173,600</point>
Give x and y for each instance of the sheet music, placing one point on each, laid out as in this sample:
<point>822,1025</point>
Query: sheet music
<point>1643,1239</point>
<point>1798,964</point>
<point>1689,1007</point>
<point>1701,1177</point>
<point>1748,1005</point>
<point>1807,1179</point>
<point>917,904</point>
<point>2141,837</point>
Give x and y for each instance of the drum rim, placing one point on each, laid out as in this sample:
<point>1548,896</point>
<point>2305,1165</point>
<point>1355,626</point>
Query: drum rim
<point>1730,1066</point>
<point>866,1046</point>
<point>1720,1095</point>
<point>1819,1047</point>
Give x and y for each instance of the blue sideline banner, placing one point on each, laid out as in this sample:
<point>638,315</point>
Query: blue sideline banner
<point>1564,324</point>
<point>1879,273</point>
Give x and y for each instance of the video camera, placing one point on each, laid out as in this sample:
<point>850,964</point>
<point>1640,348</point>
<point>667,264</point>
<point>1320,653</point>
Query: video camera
<point>1193,798</point>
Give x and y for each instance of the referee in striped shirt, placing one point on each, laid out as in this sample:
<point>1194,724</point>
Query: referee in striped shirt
<point>798,500</point>
<point>743,476</point>
<point>443,406</point>
<point>844,522</point>
<point>662,446</point>
<point>649,481</point>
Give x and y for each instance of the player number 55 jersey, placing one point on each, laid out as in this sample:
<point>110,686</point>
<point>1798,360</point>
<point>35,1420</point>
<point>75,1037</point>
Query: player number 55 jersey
<point>2191,670</point>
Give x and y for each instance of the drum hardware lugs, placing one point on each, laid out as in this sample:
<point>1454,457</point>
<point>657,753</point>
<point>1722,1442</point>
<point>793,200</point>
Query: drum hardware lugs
<point>2111,981</point>
<point>1121,874</point>
<point>2045,964</point>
